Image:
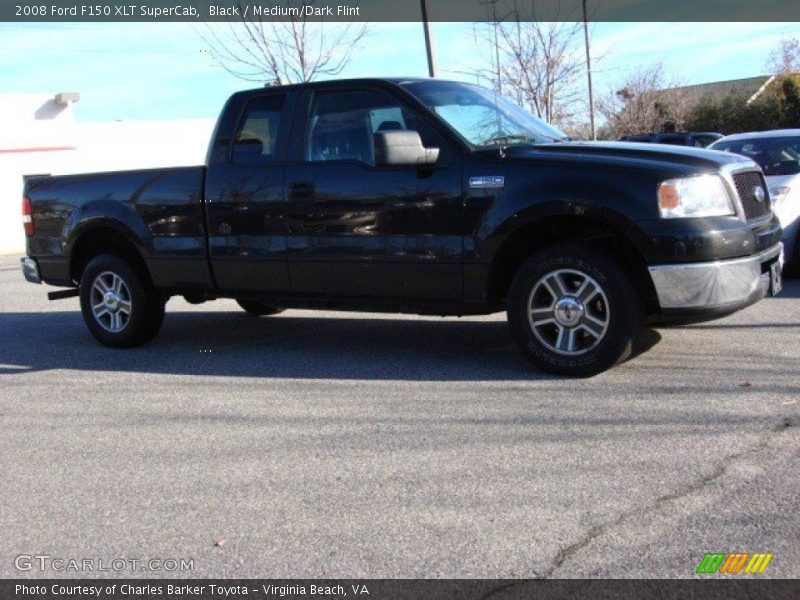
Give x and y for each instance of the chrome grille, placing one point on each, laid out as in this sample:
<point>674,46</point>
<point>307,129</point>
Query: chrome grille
<point>746,184</point>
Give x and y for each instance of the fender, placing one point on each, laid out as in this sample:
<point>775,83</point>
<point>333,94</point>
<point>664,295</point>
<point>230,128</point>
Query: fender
<point>110,214</point>
<point>545,199</point>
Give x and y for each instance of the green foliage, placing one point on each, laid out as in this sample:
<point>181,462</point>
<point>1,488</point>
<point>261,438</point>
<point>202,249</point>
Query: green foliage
<point>778,107</point>
<point>791,102</point>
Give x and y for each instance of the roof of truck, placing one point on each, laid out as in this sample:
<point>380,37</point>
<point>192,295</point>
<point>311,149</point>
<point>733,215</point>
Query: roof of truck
<point>355,80</point>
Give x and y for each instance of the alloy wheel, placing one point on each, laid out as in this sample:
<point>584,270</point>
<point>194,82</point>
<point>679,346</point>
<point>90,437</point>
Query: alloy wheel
<point>568,312</point>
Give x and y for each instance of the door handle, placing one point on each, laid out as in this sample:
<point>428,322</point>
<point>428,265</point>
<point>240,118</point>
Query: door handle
<point>301,190</point>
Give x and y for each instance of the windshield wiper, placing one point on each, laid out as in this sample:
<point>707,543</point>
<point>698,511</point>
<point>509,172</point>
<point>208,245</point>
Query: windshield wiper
<point>507,140</point>
<point>504,140</point>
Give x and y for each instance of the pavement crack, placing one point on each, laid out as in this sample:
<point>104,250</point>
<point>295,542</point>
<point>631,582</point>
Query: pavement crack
<point>786,422</point>
<point>565,554</point>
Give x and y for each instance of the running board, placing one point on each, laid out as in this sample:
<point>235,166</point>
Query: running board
<point>60,295</point>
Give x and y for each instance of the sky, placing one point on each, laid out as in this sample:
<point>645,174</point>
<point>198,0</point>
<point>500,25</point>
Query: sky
<point>164,71</point>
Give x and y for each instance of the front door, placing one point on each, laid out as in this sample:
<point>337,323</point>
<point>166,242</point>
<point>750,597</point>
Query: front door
<point>359,231</point>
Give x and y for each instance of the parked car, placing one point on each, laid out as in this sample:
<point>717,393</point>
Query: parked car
<point>698,139</point>
<point>778,154</point>
<point>419,196</point>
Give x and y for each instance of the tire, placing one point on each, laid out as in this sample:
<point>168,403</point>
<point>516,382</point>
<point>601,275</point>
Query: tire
<point>104,312</point>
<point>257,309</point>
<point>791,269</point>
<point>573,311</point>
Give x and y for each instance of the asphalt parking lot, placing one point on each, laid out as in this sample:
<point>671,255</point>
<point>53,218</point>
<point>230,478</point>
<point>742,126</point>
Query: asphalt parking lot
<point>356,445</point>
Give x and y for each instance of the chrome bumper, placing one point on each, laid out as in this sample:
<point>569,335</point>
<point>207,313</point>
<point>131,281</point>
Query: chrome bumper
<point>30,269</point>
<point>714,284</point>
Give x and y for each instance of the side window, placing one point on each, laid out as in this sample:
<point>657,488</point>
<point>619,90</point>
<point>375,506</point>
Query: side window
<point>703,141</point>
<point>387,119</point>
<point>254,142</point>
<point>674,140</point>
<point>342,125</point>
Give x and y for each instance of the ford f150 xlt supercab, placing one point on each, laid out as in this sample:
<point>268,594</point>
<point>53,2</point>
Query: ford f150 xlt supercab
<point>413,195</point>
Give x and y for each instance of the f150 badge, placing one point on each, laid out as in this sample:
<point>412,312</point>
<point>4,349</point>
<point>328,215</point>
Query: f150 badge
<point>487,181</point>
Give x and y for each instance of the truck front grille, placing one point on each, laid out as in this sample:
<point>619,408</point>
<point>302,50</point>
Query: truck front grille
<point>746,185</point>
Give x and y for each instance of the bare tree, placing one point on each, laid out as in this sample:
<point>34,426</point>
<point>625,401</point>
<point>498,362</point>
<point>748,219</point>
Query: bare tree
<point>286,51</point>
<point>643,104</point>
<point>541,62</point>
<point>785,60</point>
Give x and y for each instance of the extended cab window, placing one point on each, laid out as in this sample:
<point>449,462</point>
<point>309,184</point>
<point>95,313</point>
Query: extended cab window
<point>342,125</point>
<point>255,139</point>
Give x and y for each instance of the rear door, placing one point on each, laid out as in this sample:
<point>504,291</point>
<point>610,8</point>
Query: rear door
<point>246,200</point>
<point>361,231</point>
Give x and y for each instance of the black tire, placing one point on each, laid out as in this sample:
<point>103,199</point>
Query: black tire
<point>145,304</point>
<point>257,309</point>
<point>791,269</point>
<point>553,346</point>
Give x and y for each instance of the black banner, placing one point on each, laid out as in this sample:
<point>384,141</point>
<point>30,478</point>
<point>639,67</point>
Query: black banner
<point>410,589</point>
<point>397,10</point>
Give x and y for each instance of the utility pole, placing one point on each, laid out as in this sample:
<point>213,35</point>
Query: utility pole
<point>499,83</point>
<point>429,50</point>
<point>589,71</point>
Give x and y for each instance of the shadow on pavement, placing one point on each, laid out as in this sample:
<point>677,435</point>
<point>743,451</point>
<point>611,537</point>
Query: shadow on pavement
<point>235,344</point>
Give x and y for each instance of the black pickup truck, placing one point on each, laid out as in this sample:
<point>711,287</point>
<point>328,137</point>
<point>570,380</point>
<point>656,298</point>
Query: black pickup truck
<point>413,195</point>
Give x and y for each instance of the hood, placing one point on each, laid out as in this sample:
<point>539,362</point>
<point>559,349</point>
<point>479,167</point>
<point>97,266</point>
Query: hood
<point>787,208</point>
<point>655,155</point>
<point>780,180</point>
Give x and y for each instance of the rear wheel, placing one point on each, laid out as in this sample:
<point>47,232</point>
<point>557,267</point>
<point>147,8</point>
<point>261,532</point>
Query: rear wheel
<point>257,309</point>
<point>119,305</point>
<point>573,311</point>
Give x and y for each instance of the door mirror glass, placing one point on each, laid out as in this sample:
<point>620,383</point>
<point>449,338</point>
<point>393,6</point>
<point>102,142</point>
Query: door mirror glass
<point>402,148</point>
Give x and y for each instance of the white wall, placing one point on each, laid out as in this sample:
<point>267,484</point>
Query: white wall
<point>39,136</point>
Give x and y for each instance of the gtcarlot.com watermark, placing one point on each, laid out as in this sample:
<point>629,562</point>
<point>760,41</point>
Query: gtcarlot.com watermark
<point>60,564</point>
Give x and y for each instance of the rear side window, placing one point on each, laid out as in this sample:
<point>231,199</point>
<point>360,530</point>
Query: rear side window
<point>254,142</point>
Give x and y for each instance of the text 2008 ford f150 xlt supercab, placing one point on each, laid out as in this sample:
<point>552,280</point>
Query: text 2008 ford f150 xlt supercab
<point>420,196</point>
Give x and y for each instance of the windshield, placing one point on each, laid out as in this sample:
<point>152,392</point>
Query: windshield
<point>482,117</point>
<point>775,156</point>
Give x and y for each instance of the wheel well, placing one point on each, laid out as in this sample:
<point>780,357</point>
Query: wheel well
<point>591,233</point>
<point>104,240</point>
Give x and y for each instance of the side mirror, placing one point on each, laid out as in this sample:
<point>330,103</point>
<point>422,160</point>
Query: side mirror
<point>396,148</point>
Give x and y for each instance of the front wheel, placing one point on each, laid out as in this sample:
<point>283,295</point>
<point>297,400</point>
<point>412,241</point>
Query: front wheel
<point>573,311</point>
<point>119,305</point>
<point>257,309</point>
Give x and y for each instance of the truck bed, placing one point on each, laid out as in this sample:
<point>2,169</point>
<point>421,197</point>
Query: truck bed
<point>159,210</point>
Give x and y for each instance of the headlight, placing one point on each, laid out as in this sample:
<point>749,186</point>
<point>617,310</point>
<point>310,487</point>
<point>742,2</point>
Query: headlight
<point>701,196</point>
<point>777,194</point>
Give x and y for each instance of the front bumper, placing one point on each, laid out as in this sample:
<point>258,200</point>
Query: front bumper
<point>30,269</point>
<point>714,288</point>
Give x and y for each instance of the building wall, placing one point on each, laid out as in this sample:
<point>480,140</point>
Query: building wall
<point>41,136</point>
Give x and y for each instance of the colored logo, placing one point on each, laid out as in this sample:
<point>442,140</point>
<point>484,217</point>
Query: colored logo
<point>733,563</point>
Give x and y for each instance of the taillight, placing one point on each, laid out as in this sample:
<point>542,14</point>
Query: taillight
<point>27,216</point>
